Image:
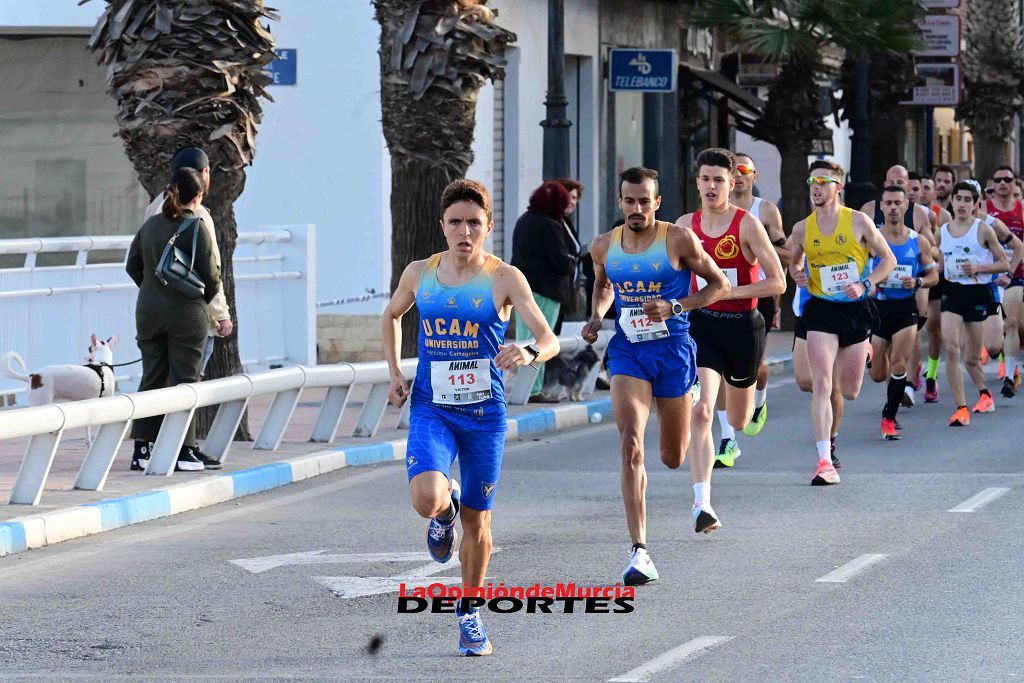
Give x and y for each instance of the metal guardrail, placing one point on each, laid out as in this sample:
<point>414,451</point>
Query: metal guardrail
<point>113,415</point>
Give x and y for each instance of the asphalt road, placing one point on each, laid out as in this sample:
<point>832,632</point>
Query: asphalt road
<point>932,594</point>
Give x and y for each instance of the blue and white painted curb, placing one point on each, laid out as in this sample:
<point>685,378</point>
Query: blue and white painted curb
<point>47,528</point>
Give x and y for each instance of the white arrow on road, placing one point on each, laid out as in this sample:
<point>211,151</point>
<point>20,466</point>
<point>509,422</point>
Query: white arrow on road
<point>257,565</point>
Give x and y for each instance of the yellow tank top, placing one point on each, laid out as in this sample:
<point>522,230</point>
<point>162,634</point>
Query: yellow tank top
<point>833,260</point>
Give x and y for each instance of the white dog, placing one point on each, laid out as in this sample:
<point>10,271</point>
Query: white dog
<point>67,382</point>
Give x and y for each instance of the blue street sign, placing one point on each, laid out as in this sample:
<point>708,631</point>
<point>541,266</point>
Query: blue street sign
<point>642,70</point>
<point>284,68</point>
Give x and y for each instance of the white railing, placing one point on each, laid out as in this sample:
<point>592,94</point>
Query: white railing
<point>47,312</point>
<point>113,415</point>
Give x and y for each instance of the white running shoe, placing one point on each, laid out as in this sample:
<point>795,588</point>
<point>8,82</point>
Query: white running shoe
<point>640,569</point>
<point>696,392</point>
<point>704,519</point>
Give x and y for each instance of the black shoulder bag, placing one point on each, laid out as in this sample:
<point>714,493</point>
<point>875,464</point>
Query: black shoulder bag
<point>176,268</point>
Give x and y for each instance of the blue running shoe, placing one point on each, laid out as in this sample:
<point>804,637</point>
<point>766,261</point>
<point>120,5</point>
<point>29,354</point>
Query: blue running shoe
<point>442,539</point>
<point>473,640</point>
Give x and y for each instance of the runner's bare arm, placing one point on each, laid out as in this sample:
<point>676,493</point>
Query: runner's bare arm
<point>754,238</point>
<point>772,220</point>
<point>391,328</point>
<point>868,208</point>
<point>603,296</point>
<point>795,246</point>
<point>1008,239</point>
<point>1000,264</point>
<point>930,273</point>
<point>864,228</point>
<point>683,245</point>
<point>924,222</point>
<point>513,287</point>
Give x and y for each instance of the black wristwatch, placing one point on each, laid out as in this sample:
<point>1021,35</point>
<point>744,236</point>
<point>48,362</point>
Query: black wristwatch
<point>919,281</point>
<point>533,351</point>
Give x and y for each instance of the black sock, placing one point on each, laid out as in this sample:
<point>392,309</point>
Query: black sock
<point>894,393</point>
<point>448,515</point>
<point>985,392</point>
<point>640,545</point>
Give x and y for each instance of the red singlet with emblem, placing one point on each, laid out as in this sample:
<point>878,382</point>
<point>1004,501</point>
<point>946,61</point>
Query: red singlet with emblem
<point>1014,219</point>
<point>728,255</point>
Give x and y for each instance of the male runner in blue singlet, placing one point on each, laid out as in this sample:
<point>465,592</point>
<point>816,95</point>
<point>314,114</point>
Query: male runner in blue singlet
<point>464,296</point>
<point>645,267</point>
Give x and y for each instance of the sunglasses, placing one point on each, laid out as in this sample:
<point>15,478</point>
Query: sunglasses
<point>743,169</point>
<point>821,180</point>
<point>1004,179</point>
<point>990,190</point>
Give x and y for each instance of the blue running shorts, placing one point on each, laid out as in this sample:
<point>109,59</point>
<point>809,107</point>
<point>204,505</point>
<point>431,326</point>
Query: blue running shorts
<point>669,364</point>
<point>437,436</point>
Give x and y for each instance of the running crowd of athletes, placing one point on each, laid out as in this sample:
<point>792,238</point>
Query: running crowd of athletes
<point>693,302</point>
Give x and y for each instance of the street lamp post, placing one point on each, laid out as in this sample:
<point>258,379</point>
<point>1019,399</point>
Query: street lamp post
<point>556,125</point>
<point>861,189</point>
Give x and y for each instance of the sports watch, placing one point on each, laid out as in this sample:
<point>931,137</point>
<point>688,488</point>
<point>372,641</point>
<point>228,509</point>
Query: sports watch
<point>677,308</point>
<point>533,351</point>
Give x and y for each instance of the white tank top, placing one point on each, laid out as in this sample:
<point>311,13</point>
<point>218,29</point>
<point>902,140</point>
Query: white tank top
<point>966,248</point>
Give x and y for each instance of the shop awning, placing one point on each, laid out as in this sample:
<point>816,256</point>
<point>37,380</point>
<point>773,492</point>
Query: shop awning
<point>744,107</point>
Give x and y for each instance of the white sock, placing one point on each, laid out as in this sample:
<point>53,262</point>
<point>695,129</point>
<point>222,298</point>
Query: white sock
<point>824,451</point>
<point>760,397</point>
<point>702,494</point>
<point>723,421</point>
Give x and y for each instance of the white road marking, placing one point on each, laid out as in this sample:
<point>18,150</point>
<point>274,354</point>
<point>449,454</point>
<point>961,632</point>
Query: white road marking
<point>362,586</point>
<point>670,659</point>
<point>851,569</point>
<point>980,500</point>
<point>257,565</point>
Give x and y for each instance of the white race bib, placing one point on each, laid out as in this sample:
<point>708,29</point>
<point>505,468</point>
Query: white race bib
<point>955,267</point>
<point>639,328</point>
<point>459,382</point>
<point>895,278</point>
<point>730,274</point>
<point>835,278</point>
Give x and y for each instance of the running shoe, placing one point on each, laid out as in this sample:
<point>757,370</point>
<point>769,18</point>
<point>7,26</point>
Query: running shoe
<point>704,519</point>
<point>473,640</point>
<point>984,359</point>
<point>696,392</point>
<point>985,404</point>
<point>1009,391</point>
<point>640,569</point>
<point>835,460</point>
<point>756,423</point>
<point>442,539</point>
<point>728,451</point>
<point>889,431</point>
<point>961,418</point>
<point>931,391</point>
<point>1016,378</point>
<point>907,399</point>
<point>826,475</point>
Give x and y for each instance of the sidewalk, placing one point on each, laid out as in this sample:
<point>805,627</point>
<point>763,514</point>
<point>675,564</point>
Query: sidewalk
<point>248,471</point>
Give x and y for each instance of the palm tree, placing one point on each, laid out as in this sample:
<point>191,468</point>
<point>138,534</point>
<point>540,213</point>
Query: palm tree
<point>992,80</point>
<point>434,57</point>
<point>795,35</point>
<point>191,72</point>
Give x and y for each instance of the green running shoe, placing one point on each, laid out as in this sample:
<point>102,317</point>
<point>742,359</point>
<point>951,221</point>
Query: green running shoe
<point>728,451</point>
<point>756,423</point>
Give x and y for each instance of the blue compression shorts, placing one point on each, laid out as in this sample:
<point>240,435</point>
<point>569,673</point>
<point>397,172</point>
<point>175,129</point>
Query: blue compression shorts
<point>669,364</point>
<point>437,436</point>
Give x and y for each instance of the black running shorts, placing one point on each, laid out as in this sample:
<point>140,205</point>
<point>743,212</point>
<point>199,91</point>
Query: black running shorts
<point>731,344</point>
<point>895,315</point>
<point>935,293</point>
<point>850,321</point>
<point>766,307</point>
<point>970,302</point>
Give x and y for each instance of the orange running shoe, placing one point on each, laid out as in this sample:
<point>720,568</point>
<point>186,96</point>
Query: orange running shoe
<point>984,356</point>
<point>1002,369</point>
<point>1016,378</point>
<point>961,418</point>
<point>889,431</point>
<point>985,404</point>
<point>825,475</point>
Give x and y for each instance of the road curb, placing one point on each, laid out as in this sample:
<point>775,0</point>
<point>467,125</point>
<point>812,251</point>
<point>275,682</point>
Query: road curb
<point>46,528</point>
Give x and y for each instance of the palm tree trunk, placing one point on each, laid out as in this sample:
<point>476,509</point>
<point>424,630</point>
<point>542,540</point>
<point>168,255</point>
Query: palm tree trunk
<point>795,207</point>
<point>990,151</point>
